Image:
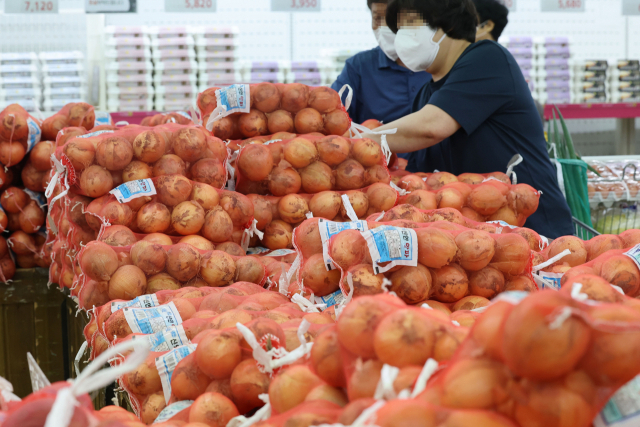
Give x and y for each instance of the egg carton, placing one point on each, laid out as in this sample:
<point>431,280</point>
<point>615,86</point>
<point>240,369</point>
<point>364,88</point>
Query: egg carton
<point>213,44</point>
<point>175,79</point>
<point>128,54</point>
<point>617,194</point>
<point>115,31</point>
<point>52,59</point>
<point>126,93</point>
<point>557,97</point>
<point>219,79</point>
<point>625,97</point>
<point>132,80</point>
<point>19,58</point>
<point>552,52</point>
<point>625,65</point>
<point>137,67</point>
<point>215,32</point>
<point>63,81</point>
<point>176,91</point>
<point>29,104</point>
<point>590,65</point>
<point>554,74</point>
<point>56,103</point>
<point>166,55</point>
<point>170,32</point>
<point>173,104</point>
<point>551,41</point>
<point>9,71</point>
<point>175,68</point>
<point>521,52</point>
<point>127,42</point>
<point>20,82</point>
<point>172,43</point>
<point>516,41</point>
<point>130,104</point>
<point>552,63</point>
<point>25,93</point>
<point>67,69</point>
<point>219,67</point>
<point>553,84</point>
<point>226,54</point>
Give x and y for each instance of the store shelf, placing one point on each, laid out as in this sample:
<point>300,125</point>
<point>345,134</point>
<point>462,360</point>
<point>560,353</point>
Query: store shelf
<point>595,111</point>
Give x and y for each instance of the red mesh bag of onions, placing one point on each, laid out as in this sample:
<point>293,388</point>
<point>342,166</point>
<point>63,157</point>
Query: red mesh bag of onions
<point>180,117</point>
<point>267,109</point>
<point>145,267</point>
<point>490,200</point>
<point>543,359</point>
<point>74,114</point>
<point>310,164</point>
<point>19,133</point>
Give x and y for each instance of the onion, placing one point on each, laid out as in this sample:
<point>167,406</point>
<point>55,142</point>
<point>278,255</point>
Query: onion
<point>289,388</point>
<point>333,150</point>
<point>173,189</point>
<point>209,171</point>
<point>169,164</point>
<point>255,162</point>
<point>449,198</point>
<point>277,235</point>
<point>149,146</point>
<point>325,204</point>
<point>225,128</point>
<point>68,134</point>
<point>217,268</point>
<point>367,152</point>
<point>308,120</point>
<point>265,97</point>
<point>601,244</point>
<point>280,121</point>
<point>188,381</point>
<point>238,207</point>
<point>218,226</point>
<point>212,409</point>
<point>127,283</point>
<point>114,153</point>
<point>512,254</point>
<point>487,282</point>
<point>261,210</point>
<point>326,359</point>
<point>218,353</point>
<point>80,152</point>
<point>348,248</point>
<point>183,261</point>
<point>189,144</point>
<point>505,214</point>
<point>283,181</point>
<point>359,203</point>
<point>412,284</point>
<point>22,243</point>
<point>422,199</point>
<point>116,213</point>
<point>31,218</point>
<point>11,153</point>
<point>621,271</point>
<point>151,407</point>
<point>412,183</point>
<point>300,152</point>
<point>577,247</point>
<point>293,208</point>
<point>148,257</point>
<point>524,198</point>
<point>137,170</point>
<point>357,324</point>
<point>54,124</point>
<point>187,218</point>
<point>438,180</point>
<point>144,379</point>
<point>350,175</point>
<point>475,249</point>
<point>377,173</point>
<point>253,123</point>
<point>308,239</point>
<point>381,198</point>
<point>96,181</point>
<point>534,350</point>
<point>158,239</point>
<point>630,238</point>
<point>198,242</point>
<point>249,269</point>
<point>316,277</point>
<point>471,178</point>
<point>520,283</point>
<point>82,114</point>
<point>161,282</point>
<point>450,283</point>
<point>475,384</point>
<point>317,177</point>
<point>533,238</point>
<point>324,99</point>
<point>470,302</point>
<point>99,261</point>
<point>363,380</point>
<point>436,248</point>
<point>295,97</point>
<point>337,122</point>
<point>551,404</point>
<point>486,199</point>
<point>40,155</point>
<point>205,195</point>
<point>596,288</point>
<point>231,248</point>
<point>153,218</point>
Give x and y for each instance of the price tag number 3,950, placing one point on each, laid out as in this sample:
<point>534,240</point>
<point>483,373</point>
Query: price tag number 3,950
<point>198,4</point>
<point>38,6</point>
<point>301,4</point>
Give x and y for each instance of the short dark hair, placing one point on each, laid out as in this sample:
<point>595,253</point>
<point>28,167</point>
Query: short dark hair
<point>457,18</point>
<point>370,2</point>
<point>495,11</point>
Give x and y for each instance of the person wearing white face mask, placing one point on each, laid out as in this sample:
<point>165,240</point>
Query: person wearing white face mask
<point>477,112</point>
<point>383,89</point>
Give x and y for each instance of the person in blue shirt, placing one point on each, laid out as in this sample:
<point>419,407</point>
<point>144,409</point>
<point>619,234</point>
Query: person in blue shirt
<point>383,89</point>
<point>477,112</point>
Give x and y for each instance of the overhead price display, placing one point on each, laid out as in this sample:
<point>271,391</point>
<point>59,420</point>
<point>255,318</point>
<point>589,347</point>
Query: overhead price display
<point>110,6</point>
<point>190,5</point>
<point>295,6</point>
<point>562,5</point>
<point>510,4</point>
<point>30,6</point>
<point>631,7</point>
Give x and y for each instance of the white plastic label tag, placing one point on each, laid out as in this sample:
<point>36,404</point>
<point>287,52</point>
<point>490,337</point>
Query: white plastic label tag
<point>38,197</point>
<point>502,223</point>
<point>152,320</point>
<point>231,99</point>
<point>34,133</point>
<point>281,252</point>
<point>102,118</point>
<point>165,340</point>
<point>133,189</point>
<point>330,300</point>
<point>548,280</point>
<point>171,410</point>
<point>395,245</point>
<point>100,132</point>
<point>623,409</point>
<point>634,254</point>
<point>166,364</point>
<point>329,229</point>
<point>143,301</point>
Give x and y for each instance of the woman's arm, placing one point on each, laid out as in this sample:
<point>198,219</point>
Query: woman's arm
<point>418,130</point>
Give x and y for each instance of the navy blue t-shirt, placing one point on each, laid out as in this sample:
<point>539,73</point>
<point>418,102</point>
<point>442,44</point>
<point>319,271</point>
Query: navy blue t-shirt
<point>487,95</point>
<point>382,89</point>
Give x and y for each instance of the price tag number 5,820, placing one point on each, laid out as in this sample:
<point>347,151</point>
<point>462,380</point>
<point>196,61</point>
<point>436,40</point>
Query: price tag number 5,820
<point>198,4</point>
<point>569,4</point>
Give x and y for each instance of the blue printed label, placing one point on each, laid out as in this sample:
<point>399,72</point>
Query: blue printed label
<point>184,114</point>
<point>502,223</point>
<point>100,132</point>
<point>330,300</point>
<point>165,340</point>
<point>166,364</point>
<point>171,410</point>
<point>235,99</point>
<point>102,118</point>
<point>392,245</point>
<point>623,409</point>
<point>143,301</point>
<point>133,189</point>
<point>38,197</point>
<point>549,280</point>
<point>634,254</point>
<point>152,320</point>
<point>34,134</point>
<point>329,229</point>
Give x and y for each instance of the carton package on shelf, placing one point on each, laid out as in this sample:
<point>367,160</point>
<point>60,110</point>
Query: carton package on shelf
<point>64,78</point>
<point>624,81</point>
<point>591,81</point>
<point>207,80</point>
<point>116,104</point>
<point>20,80</point>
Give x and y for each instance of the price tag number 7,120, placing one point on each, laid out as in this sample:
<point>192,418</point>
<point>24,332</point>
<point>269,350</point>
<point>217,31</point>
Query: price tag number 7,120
<point>38,6</point>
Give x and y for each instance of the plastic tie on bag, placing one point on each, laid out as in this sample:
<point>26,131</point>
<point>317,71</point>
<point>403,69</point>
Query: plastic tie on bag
<point>384,388</point>
<point>309,215</point>
<point>400,191</point>
<point>426,306</point>
<point>76,361</point>
<point>551,260</point>
<point>38,378</point>
<point>515,161</point>
<point>577,294</point>
<point>283,282</point>
<point>306,305</point>
<point>380,217</point>
<point>349,297</point>
<point>429,368</point>
<point>121,123</point>
<point>385,284</point>
<point>248,233</point>
<point>563,315</point>
<point>194,116</point>
<point>544,242</point>
<point>294,267</point>
<point>6,393</point>
<point>455,322</point>
<point>261,414</point>
<point>349,208</point>
<point>93,378</point>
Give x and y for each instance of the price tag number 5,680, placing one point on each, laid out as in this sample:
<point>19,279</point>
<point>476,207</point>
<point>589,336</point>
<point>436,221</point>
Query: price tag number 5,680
<point>198,4</point>
<point>38,6</point>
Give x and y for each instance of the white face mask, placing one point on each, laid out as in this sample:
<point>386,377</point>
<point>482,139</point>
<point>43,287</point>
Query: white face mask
<point>386,39</point>
<point>416,48</point>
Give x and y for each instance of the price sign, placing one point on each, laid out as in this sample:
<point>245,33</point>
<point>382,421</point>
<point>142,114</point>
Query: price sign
<point>510,4</point>
<point>295,5</point>
<point>30,6</point>
<point>562,5</point>
<point>629,7</point>
<point>189,5</point>
<point>110,6</point>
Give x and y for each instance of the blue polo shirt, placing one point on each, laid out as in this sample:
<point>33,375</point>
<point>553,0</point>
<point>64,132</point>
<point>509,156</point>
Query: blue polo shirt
<point>487,95</point>
<point>382,89</point>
